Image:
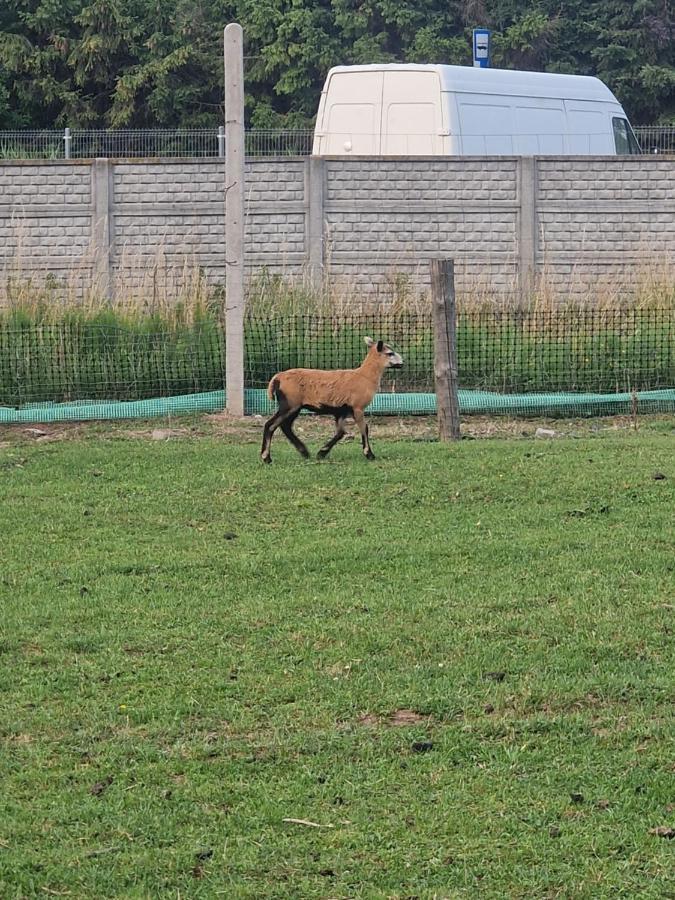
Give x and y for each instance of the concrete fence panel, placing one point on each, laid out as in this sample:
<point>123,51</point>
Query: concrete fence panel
<point>115,225</point>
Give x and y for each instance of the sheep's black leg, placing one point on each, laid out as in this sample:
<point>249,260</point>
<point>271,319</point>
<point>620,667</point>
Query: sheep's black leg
<point>287,428</point>
<point>360,420</point>
<point>339,434</point>
<point>365,443</point>
<point>271,426</point>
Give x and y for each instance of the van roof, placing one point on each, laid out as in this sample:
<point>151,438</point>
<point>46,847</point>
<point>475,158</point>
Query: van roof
<point>501,81</point>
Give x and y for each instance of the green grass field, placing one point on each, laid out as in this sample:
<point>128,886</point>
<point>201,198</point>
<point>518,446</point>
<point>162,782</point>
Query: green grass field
<point>457,660</point>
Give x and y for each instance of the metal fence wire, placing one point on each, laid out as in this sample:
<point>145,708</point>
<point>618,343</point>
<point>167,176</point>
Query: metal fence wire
<point>148,143</point>
<point>206,142</point>
<point>74,361</point>
<point>508,361</point>
<point>144,143</point>
<point>656,138</point>
<point>32,145</point>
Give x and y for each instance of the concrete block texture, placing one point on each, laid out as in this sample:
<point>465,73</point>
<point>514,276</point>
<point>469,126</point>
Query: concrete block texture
<point>371,225</point>
<point>56,185</point>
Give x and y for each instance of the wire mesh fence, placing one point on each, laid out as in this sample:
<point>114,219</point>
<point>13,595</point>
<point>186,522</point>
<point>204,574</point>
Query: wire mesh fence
<point>74,361</point>
<point>278,143</point>
<point>32,145</point>
<point>517,362</point>
<point>148,143</point>
<point>210,142</point>
<point>656,138</point>
<point>324,342</point>
<point>152,142</point>
<point>587,350</point>
<point>523,352</point>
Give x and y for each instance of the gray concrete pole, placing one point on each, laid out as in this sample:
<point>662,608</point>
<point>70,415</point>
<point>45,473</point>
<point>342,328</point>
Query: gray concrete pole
<point>102,192</point>
<point>314,228</point>
<point>234,219</point>
<point>527,237</point>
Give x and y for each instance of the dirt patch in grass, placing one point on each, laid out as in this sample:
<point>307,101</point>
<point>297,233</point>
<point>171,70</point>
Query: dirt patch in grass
<point>249,429</point>
<point>400,718</point>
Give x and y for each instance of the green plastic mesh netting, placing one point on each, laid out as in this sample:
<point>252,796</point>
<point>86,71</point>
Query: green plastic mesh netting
<point>551,363</point>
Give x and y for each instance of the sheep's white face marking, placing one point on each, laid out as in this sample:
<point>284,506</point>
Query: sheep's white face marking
<point>392,359</point>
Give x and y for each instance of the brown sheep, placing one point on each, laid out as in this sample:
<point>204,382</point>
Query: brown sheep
<point>339,393</point>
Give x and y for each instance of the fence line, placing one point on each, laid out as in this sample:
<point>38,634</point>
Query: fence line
<point>553,354</point>
<point>206,142</point>
<point>656,138</point>
<point>143,143</point>
<point>599,228</point>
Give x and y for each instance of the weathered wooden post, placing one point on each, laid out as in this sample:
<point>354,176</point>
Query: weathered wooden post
<point>445,357</point>
<point>234,218</point>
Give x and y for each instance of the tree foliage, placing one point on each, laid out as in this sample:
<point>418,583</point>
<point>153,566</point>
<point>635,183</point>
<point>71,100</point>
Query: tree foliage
<point>158,63</point>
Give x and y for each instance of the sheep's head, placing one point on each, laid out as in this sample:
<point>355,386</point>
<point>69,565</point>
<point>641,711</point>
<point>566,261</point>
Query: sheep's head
<point>390,359</point>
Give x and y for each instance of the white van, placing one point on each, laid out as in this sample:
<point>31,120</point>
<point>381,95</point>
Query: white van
<point>428,110</point>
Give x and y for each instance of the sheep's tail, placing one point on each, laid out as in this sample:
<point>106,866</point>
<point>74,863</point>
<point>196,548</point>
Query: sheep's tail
<point>272,387</point>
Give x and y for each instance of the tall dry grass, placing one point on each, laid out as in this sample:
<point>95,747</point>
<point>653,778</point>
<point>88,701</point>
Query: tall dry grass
<point>64,336</point>
<point>178,294</point>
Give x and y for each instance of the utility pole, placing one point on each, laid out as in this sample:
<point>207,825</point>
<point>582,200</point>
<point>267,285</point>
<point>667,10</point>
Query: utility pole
<point>234,219</point>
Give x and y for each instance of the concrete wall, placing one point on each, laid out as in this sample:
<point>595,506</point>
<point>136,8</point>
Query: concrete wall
<point>364,223</point>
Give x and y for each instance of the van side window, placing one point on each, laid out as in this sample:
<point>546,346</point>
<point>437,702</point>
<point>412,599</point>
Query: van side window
<point>624,139</point>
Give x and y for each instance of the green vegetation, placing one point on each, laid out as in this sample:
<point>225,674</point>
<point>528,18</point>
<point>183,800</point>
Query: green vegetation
<point>16,150</point>
<point>139,64</point>
<point>98,359</point>
<point>514,351</point>
<point>112,356</point>
<point>457,660</point>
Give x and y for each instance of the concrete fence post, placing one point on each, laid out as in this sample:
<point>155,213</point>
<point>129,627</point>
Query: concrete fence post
<point>527,225</point>
<point>234,218</point>
<point>102,193</point>
<point>315,174</point>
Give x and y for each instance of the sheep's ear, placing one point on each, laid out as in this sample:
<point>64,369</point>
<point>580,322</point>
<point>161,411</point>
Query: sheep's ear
<point>369,342</point>
<point>380,346</point>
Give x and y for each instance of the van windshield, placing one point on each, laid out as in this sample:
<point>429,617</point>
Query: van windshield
<point>624,139</point>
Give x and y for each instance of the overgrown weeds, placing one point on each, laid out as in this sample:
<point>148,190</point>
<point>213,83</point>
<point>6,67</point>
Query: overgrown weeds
<point>165,336</point>
<point>176,294</point>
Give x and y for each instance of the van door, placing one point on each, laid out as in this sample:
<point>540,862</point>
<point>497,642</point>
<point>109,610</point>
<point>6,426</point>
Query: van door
<point>351,114</point>
<point>588,129</point>
<point>486,125</point>
<point>412,117</point>
<point>540,126</point>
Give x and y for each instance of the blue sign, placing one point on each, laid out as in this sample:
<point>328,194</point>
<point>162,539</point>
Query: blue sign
<point>481,48</point>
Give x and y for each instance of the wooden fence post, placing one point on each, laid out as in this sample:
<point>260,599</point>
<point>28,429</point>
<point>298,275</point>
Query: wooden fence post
<point>445,357</point>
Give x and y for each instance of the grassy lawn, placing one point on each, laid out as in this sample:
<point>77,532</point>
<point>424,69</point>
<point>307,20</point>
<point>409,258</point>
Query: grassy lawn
<point>457,660</point>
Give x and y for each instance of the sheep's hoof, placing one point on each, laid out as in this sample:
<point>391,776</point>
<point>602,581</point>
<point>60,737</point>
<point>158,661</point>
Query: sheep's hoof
<point>370,455</point>
<point>322,454</point>
<point>266,459</point>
